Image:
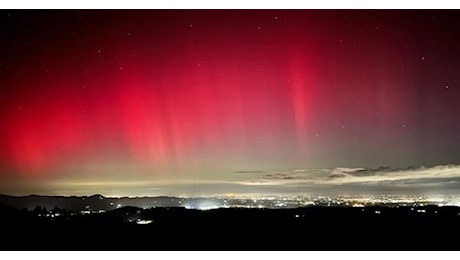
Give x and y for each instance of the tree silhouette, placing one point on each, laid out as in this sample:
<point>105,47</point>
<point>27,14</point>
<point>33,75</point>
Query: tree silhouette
<point>39,210</point>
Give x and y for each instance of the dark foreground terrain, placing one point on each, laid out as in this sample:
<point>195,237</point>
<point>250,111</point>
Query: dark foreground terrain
<point>312,228</point>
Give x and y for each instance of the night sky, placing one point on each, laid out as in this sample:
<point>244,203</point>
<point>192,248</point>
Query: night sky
<point>177,102</point>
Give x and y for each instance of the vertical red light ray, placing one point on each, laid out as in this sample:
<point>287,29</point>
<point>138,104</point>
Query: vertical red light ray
<point>142,120</point>
<point>303,95</point>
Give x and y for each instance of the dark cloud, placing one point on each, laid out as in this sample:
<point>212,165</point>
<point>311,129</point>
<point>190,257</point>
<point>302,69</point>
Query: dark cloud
<point>249,171</point>
<point>279,176</point>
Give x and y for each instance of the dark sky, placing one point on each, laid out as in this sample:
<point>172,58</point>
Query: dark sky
<point>96,98</point>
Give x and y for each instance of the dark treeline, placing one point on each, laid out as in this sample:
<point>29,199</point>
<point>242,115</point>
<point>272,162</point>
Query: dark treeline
<point>312,228</point>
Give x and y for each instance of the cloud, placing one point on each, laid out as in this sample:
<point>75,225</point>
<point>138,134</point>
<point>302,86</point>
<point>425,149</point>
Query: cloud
<point>361,178</point>
<point>385,174</point>
<point>279,176</point>
<point>249,171</point>
<point>299,170</point>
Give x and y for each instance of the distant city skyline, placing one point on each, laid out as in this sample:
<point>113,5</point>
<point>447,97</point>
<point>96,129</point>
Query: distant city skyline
<point>213,102</point>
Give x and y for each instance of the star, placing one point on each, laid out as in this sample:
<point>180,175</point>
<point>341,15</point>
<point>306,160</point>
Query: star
<point>191,25</point>
<point>99,51</point>
<point>276,17</point>
<point>447,86</point>
<point>259,28</point>
<point>422,58</point>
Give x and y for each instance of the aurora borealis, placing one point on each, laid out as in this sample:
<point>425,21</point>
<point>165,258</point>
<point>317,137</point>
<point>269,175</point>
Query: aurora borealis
<point>150,98</point>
